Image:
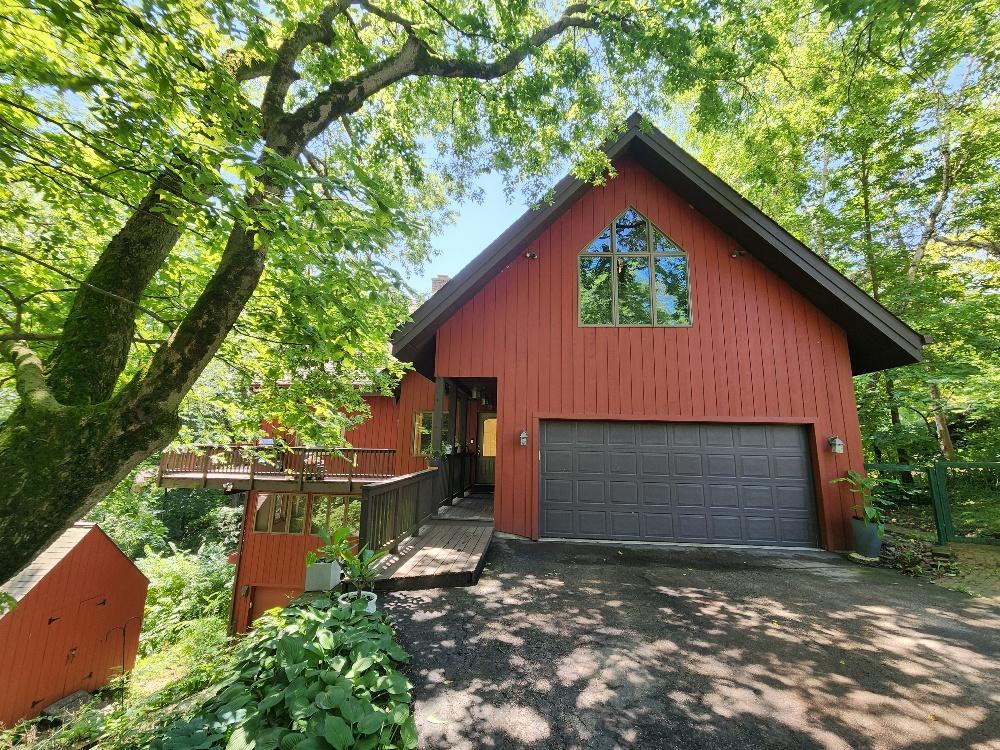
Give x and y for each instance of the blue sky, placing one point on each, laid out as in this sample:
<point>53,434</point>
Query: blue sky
<point>477,225</point>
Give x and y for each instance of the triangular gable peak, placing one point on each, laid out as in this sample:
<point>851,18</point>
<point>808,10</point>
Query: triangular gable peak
<point>877,339</point>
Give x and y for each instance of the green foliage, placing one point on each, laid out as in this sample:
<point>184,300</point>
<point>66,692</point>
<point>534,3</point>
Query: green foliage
<point>130,515</point>
<point>184,588</point>
<point>311,676</point>
<point>874,507</point>
<point>7,603</point>
<point>873,136</point>
<point>361,568</point>
<point>138,516</point>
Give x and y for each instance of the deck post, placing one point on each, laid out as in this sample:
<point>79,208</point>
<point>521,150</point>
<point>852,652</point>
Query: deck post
<point>204,467</point>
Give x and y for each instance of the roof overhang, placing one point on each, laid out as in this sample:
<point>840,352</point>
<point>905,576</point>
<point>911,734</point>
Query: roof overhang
<point>877,339</point>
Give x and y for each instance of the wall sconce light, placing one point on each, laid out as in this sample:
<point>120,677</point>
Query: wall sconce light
<point>523,437</point>
<point>531,256</point>
<point>737,252</point>
<point>835,443</point>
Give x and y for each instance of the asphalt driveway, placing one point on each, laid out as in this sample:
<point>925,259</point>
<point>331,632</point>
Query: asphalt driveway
<point>567,645</point>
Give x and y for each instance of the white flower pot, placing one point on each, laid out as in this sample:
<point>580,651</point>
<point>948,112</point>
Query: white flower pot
<point>322,576</point>
<point>346,600</point>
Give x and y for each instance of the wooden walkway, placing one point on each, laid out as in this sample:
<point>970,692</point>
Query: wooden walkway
<point>449,551</point>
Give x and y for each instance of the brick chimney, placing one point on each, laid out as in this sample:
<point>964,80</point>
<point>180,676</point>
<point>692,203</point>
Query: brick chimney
<point>439,281</point>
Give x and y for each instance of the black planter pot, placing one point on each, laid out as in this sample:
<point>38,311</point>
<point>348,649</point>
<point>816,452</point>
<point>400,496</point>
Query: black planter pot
<point>866,539</point>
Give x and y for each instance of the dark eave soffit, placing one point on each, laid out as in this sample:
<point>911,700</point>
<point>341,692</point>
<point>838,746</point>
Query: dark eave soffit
<point>877,339</point>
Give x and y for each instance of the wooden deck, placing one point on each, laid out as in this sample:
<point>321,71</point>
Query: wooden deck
<point>449,551</point>
<point>331,484</point>
<point>475,507</point>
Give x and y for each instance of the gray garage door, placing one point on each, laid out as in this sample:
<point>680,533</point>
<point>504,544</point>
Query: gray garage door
<point>677,482</point>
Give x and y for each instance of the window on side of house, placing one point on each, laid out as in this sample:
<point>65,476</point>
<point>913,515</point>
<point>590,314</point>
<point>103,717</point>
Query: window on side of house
<point>422,428</point>
<point>278,513</point>
<point>632,274</point>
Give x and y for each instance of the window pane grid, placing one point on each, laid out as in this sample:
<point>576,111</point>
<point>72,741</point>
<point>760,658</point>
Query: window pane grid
<point>633,274</point>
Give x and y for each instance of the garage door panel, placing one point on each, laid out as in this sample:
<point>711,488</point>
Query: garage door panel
<point>719,435</point>
<point>558,490</point>
<point>623,493</point>
<point>557,461</point>
<point>621,433</point>
<point>653,433</point>
<point>555,433</point>
<point>689,495</point>
<point>790,467</point>
<point>752,436</point>
<point>655,463</point>
<point>721,465</point>
<point>688,465</point>
<point>590,433</point>
<point>727,529</point>
<point>799,531</point>
<point>591,491</point>
<point>682,435</point>
<point>593,523</point>
<point>692,527</point>
<point>723,496</point>
<point>591,462</point>
<point>787,436</point>
<point>755,466</point>
<point>685,482</point>
<point>762,529</point>
<point>794,497</point>
<point>757,496</point>
<point>558,522</point>
<point>658,527</point>
<point>625,525</point>
<point>624,463</point>
<point>655,493</point>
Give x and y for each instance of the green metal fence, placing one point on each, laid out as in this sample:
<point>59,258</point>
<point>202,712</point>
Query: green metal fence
<point>937,479</point>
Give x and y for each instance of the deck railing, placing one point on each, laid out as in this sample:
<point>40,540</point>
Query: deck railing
<point>457,473</point>
<point>270,462</point>
<point>398,508</point>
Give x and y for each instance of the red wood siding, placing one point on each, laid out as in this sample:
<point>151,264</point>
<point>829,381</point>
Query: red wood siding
<point>757,351</point>
<point>60,638</point>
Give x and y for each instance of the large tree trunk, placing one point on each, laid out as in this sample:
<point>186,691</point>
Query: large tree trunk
<point>58,463</point>
<point>97,335</point>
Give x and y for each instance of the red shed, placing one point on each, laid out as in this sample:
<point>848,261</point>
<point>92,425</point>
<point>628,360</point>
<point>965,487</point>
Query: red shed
<point>76,623</point>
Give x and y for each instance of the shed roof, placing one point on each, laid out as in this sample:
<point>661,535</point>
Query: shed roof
<point>877,339</point>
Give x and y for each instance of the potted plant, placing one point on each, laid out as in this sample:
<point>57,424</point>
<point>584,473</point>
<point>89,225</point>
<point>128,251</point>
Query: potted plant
<point>323,568</point>
<point>868,522</point>
<point>361,572</point>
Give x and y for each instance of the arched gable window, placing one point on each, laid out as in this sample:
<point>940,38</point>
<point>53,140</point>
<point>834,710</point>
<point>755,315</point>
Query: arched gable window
<point>615,284</point>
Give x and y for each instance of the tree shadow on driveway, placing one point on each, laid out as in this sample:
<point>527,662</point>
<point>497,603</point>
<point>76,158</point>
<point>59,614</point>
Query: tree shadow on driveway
<point>567,645</point>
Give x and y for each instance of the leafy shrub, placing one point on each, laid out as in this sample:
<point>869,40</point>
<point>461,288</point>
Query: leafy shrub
<point>130,516</point>
<point>308,677</point>
<point>184,587</point>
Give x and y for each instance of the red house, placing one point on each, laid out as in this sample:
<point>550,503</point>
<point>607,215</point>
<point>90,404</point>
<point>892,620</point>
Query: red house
<point>653,359</point>
<point>76,623</point>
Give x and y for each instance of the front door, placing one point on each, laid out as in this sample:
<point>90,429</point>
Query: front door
<point>487,442</point>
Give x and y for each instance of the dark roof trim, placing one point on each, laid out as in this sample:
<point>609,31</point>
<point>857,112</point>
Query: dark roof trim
<point>877,338</point>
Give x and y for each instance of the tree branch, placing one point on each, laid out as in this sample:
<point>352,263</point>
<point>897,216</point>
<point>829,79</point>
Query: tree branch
<point>81,282</point>
<point>415,57</point>
<point>29,376</point>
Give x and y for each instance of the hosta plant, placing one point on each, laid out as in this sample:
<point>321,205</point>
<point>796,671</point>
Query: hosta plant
<point>308,677</point>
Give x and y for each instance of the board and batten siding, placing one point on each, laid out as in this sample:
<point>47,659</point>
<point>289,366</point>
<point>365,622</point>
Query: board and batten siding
<point>66,632</point>
<point>757,351</point>
<point>276,562</point>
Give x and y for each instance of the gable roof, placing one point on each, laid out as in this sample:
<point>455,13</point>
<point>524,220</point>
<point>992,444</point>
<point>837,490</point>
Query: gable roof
<point>877,339</point>
<point>23,582</point>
